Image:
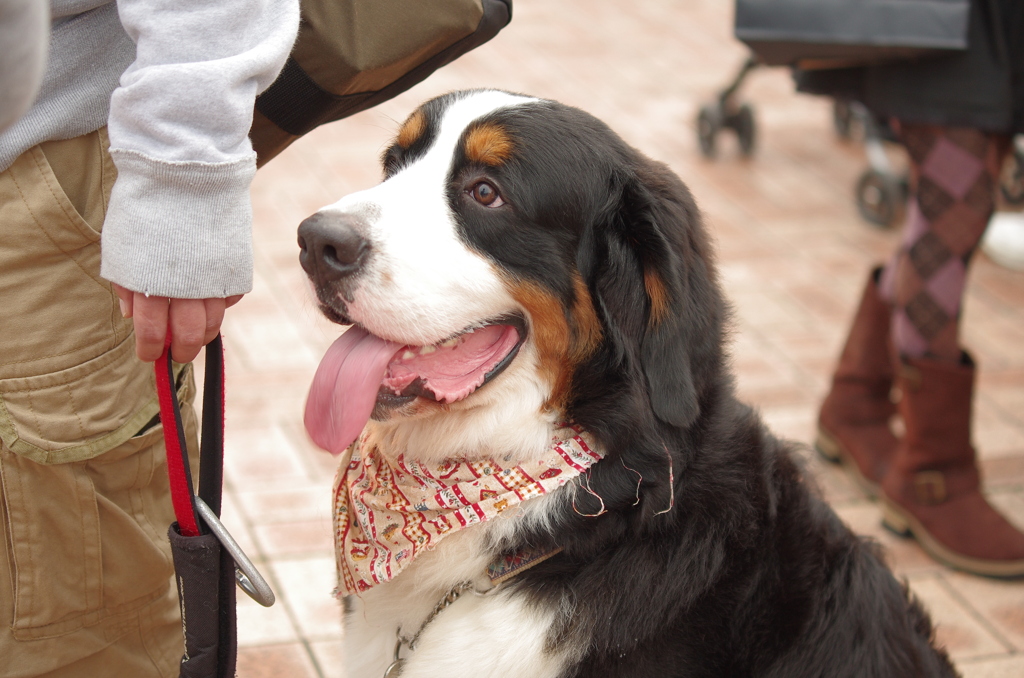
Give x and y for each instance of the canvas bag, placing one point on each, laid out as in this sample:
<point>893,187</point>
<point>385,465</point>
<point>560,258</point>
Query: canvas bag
<point>841,33</point>
<point>354,54</point>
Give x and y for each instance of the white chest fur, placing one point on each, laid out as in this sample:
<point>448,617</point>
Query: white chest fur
<point>495,633</point>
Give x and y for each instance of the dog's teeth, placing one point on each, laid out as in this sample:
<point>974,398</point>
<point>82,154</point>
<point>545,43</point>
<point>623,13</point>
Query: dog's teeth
<point>408,355</point>
<point>428,349</point>
<point>450,343</point>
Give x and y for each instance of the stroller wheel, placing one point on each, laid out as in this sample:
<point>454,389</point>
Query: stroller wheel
<point>709,123</point>
<point>1011,181</point>
<point>746,129</point>
<point>880,198</point>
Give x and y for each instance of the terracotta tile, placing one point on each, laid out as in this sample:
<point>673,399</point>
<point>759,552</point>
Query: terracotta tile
<point>261,456</point>
<point>1006,397</point>
<point>765,309</point>
<point>296,538</point>
<point>993,667</point>
<point>257,399</point>
<point>796,423</point>
<point>274,661</point>
<point>258,625</point>
<point>995,339</point>
<point>322,465</point>
<point>759,366</point>
<point>1000,603</point>
<point>956,627</point>
<point>819,302</point>
<point>1002,471</point>
<point>1010,503</point>
<point>1002,286</point>
<point>272,340</point>
<point>238,523</point>
<point>775,394</point>
<point>310,501</point>
<point>995,434</point>
<point>820,346</point>
<point>329,656</point>
<point>990,379</point>
<point>307,585</point>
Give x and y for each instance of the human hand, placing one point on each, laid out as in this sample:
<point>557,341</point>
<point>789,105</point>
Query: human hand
<point>193,323</point>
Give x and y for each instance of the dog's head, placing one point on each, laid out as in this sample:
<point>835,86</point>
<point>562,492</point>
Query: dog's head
<point>519,266</point>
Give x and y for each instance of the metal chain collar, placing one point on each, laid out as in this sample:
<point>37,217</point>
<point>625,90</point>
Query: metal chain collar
<point>454,593</point>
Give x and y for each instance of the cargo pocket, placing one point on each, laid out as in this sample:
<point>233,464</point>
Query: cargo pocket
<point>88,538</point>
<point>76,413</point>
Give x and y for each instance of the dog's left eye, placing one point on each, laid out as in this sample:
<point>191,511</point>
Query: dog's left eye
<point>486,194</point>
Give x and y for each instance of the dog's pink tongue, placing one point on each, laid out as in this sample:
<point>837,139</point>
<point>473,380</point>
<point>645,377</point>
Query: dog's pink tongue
<point>345,386</point>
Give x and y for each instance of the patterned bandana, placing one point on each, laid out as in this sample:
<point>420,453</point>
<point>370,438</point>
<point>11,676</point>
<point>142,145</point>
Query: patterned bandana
<point>385,514</point>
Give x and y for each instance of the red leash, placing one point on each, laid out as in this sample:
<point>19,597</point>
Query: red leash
<point>178,470</point>
<point>207,560</point>
<point>198,515</point>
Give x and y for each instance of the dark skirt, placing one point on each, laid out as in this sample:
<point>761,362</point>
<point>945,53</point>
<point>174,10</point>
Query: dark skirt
<point>982,87</point>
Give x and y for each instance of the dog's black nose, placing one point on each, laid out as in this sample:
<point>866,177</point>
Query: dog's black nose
<point>331,248</point>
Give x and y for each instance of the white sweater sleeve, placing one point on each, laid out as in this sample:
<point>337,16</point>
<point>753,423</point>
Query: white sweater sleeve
<point>179,222</point>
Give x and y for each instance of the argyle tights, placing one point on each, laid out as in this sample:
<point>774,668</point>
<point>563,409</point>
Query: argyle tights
<point>954,176</point>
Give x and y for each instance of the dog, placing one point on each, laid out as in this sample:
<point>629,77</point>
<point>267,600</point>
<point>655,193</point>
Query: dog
<point>556,478</point>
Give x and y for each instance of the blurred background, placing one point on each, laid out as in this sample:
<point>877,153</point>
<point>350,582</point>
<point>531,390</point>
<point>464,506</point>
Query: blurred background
<point>793,252</point>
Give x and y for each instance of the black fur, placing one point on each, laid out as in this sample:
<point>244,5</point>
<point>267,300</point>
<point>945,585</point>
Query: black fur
<point>749,573</point>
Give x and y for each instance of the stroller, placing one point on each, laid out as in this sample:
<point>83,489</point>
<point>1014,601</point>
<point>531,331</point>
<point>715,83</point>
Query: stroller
<point>795,32</point>
<point>880,193</point>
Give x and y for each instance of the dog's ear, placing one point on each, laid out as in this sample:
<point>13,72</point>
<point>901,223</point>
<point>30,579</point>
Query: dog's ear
<point>668,305</point>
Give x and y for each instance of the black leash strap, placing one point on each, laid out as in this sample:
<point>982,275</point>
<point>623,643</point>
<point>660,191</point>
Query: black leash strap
<point>207,561</point>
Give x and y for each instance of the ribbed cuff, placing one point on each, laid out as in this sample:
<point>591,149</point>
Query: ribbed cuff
<point>179,229</point>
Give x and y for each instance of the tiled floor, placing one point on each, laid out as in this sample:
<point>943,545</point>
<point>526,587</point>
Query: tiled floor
<point>793,255</point>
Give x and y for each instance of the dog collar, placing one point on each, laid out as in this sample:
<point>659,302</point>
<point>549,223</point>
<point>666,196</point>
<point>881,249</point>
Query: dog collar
<point>499,572</point>
<point>388,512</point>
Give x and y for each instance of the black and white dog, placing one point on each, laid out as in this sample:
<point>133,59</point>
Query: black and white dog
<point>556,478</point>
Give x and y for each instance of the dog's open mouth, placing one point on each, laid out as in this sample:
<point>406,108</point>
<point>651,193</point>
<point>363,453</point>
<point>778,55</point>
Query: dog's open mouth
<point>362,374</point>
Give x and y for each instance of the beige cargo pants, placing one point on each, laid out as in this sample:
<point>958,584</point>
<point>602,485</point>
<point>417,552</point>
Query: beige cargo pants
<point>85,567</point>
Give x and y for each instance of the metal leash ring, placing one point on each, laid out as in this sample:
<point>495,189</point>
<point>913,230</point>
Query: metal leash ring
<point>248,577</point>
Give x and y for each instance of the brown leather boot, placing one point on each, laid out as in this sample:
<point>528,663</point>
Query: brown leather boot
<point>932,489</point>
<point>853,425</point>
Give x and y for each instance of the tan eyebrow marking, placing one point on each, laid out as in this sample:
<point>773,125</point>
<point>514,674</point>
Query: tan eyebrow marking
<point>488,144</point>
<point>412,129</point>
